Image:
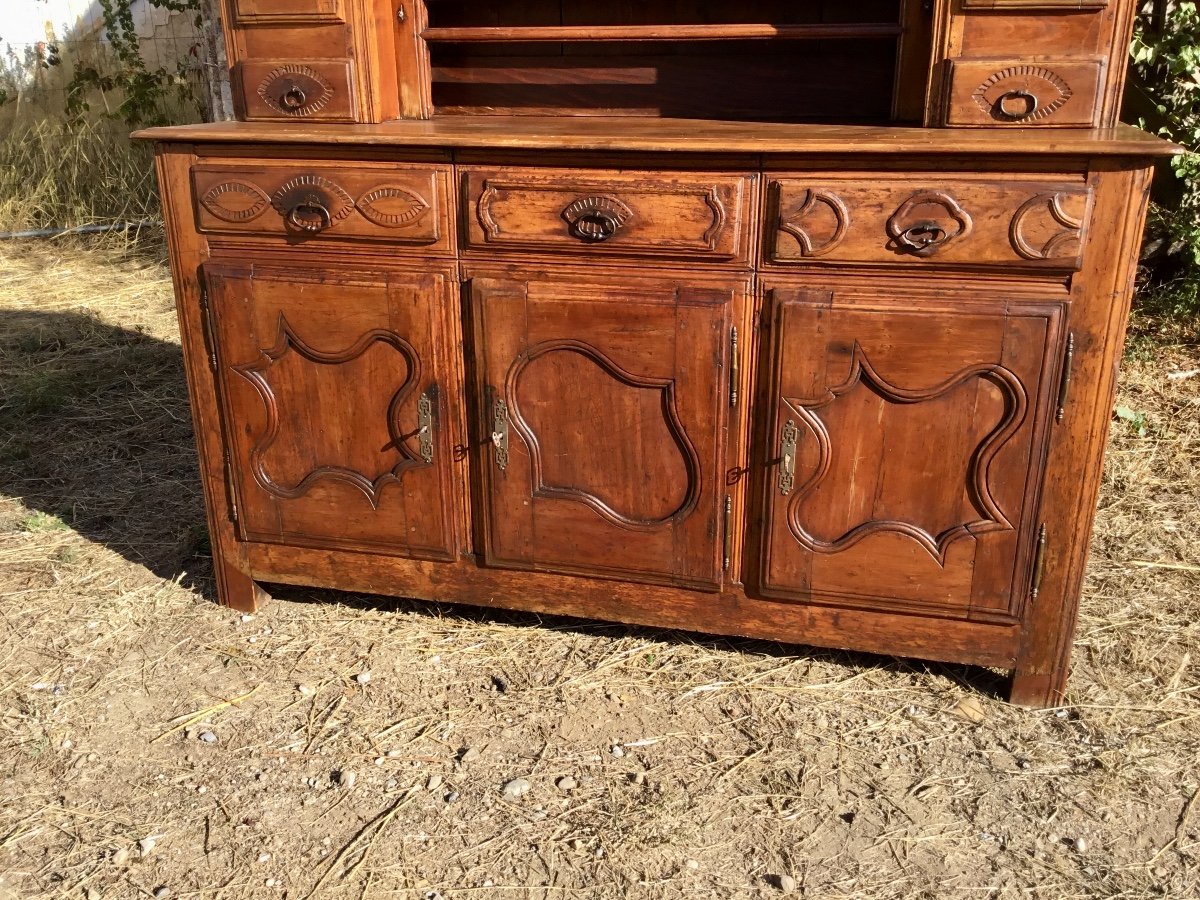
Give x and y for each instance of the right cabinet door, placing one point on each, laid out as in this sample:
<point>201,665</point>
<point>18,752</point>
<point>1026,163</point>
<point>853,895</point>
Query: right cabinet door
<point>904,448</point>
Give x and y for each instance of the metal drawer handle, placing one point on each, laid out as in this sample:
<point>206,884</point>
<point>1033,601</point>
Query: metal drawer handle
<point>922,238</point>
<point>293,98</point>
<point>1016,104</point>
<point>788,439</point>
<point>310,215</point>
<point>596,219</point>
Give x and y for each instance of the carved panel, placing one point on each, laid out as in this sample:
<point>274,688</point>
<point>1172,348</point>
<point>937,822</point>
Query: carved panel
<point>259,374</point>
<point>1022,94</point>
<point>279,12</point>
<point>926,222</point>
<point>934,529</point>
<point>391,206</point>
<point>313,89</point>
<point>821,213</point>
<point>235,201</point>
<point>560,426</point>
<point>1050,225</point>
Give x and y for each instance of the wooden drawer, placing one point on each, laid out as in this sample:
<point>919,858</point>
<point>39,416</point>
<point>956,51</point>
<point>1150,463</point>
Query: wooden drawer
<point>990,92</point>
<point>315,90</point>
<point>605,212</point>
<point>394,202</point>
<point>846,217</point>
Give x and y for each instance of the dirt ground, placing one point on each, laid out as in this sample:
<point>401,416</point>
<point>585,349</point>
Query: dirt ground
<point>344,746</point>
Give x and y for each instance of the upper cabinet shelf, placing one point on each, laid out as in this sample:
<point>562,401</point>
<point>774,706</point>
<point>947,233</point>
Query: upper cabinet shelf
<point>729,32</point>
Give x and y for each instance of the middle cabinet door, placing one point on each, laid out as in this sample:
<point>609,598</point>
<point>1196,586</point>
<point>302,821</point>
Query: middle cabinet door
<point>602,406</point>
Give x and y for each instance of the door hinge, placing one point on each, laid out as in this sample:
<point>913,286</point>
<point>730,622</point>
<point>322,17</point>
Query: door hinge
<point>1039,563</point>
<point>206,326</point>
<point>1064,384</point>
<point>728,536</point>
<point>735,367</point>
<point>233,509</point>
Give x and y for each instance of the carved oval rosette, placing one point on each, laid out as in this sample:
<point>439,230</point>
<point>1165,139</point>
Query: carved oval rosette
<point>296,91</point>
<point>1022,94</point>
<point>235,201</point>
<point>389,206</point>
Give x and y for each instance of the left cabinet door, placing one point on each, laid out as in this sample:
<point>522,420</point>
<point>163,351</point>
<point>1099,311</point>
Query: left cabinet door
<point>339,406</point>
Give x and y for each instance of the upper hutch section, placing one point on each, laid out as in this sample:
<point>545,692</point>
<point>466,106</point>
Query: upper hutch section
<point>963,63</point>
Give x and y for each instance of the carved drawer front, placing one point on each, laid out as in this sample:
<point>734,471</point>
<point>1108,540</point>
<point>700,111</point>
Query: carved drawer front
<point>929,219</point>
<point>307,90</point>
<point>678,214</point>
<point>394,202</point>
<point>907,440</point>
<point>1013,92</point>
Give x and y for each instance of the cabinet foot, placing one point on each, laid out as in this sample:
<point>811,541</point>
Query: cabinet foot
<point>237,590</point>
<point>1037,690</point>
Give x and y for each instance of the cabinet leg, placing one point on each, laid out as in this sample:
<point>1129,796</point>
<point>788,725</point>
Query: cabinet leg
<point>1037,690</point>
<point>237,590</point>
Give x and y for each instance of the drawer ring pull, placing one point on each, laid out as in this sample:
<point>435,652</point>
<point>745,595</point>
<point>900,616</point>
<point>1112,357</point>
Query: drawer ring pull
<point>293,98</point>
<point>310,215</point>
<point>596,219</point>
<point>922,238</point>
<point>1016,104</point>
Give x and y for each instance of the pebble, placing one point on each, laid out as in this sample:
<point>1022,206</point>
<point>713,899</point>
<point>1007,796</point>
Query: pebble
<point>518,787</point>
<point>692,864</point>
<point>786,883</point>
<point>566,783</point>
<point>617,750</point>
<point>264,857</point>
<point>162,892</point>
<point>92,894</point>
<point>247,618</point>
<point>637,778</point>
<point>208,737</point>
<point>147,844</point>
<point>391,784</point>
<point>433,783</point>
<point>346,778</point>
<point>1080,845</point>
<point>306,690</point>
<point>270,882</point>
<point>469,755</point>
<point>452,797</point>
<point>363,677</point>
<point>121,857</point>
<point>67,745</point>
<point>379,760</point>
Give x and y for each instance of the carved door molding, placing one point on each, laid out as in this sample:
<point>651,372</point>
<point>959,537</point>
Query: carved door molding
<point>335,399</point>
<point>903,456</point>
<point>602,426</point>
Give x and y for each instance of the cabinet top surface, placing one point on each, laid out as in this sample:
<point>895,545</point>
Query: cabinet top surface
<point>679,135</point>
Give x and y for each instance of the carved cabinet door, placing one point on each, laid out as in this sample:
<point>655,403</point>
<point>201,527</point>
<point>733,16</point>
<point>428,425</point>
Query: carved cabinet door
<point>603,412</point>
<point>904,449</point>
<point>338,406</point>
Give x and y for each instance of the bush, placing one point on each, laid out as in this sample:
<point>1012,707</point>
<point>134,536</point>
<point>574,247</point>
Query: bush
<point>1166,81</point>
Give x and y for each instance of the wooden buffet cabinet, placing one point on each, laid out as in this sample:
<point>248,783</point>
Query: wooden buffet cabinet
<point>797,321</point>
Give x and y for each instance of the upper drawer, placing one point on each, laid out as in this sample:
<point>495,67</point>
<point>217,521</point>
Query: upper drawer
<point>696,215</point>
<point>316,90</point>
<point>1062,92</point>
<point>395,202</point>
<point>847,217</point>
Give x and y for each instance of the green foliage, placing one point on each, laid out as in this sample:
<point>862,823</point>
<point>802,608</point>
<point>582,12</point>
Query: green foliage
<point>1166,67</point>
<point>148,96</point>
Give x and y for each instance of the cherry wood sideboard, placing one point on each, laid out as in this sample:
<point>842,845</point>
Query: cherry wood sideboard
<point>485,310</point>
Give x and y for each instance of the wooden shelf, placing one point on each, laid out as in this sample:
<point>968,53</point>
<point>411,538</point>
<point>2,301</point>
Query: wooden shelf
<point>602,33</point>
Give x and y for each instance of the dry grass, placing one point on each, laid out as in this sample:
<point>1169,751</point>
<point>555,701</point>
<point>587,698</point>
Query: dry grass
<point>740,761</point>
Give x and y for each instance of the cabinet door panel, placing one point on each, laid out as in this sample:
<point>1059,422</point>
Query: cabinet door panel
<point>916,437</point>
<point>338,406</point>
<point>605,407</point>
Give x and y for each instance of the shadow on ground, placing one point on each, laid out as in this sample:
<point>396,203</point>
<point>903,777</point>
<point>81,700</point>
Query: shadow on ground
<point>96,435</point>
